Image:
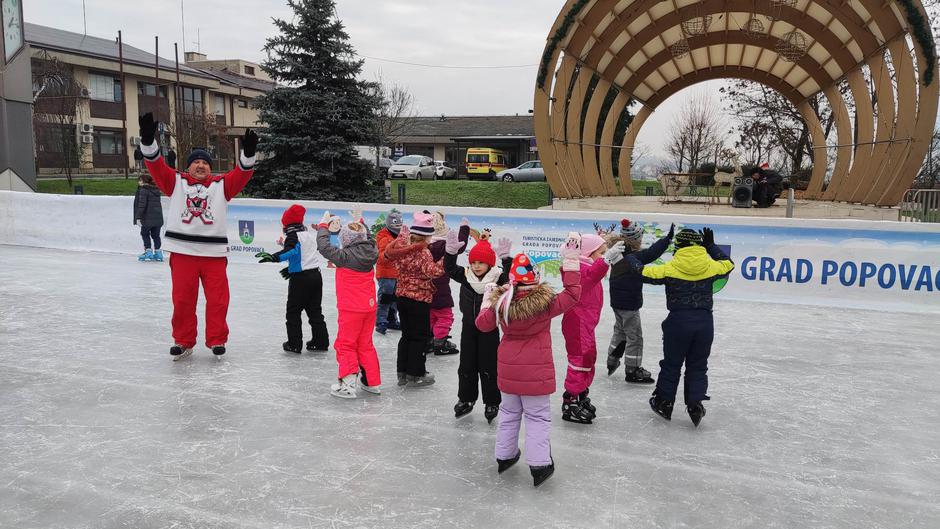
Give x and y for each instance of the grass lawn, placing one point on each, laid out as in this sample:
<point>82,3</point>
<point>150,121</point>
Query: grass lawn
<point>92,186</point>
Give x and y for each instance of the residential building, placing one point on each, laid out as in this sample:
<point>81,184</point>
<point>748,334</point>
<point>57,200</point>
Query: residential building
<point>17,171</point>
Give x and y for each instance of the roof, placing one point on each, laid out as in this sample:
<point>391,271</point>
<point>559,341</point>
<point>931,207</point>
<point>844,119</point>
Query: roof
<point>233,78</point>
<point>66,41</point>
<point>472,126</point>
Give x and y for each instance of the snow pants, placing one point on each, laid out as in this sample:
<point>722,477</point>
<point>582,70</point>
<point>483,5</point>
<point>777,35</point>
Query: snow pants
<point>148,233</point>
<point>582,353</point>
<point>388,312</point>
<point>415,335</point>
<point>305,294</point>
<point>186,272</point>
<point>538,428</point>
<point>442,320</point>
<point>477,361</point>
<point>628,330</point>
<point>687,338</point>
<point>354,349</point>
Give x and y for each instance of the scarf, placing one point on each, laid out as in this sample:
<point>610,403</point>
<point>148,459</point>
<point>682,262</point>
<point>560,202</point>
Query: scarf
<point>479,284</point>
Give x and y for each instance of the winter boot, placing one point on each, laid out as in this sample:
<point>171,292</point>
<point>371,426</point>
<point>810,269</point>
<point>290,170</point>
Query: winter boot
<point>158,256</point>
<point>345,388</point>
<point>462,408</point>
<point>314,347</point>
<point>146,256</point>
<point>663,408</point>
<point>419,382</point>
<point>218,350</point>
<point>586,403</point>
<point>433,347</point>
<point>490,412</point>
<point>375,390</point>
<point>696,412</point>
<point>290,348</point>
<point>402,379</point>
<point>446,347</point>
<point>613,359</point>
<point>638,375</point>
<point>502,465</point>
<point>381,329</point>
<point>540,474</point>
<point>572,410</point>
<point>178,352</point>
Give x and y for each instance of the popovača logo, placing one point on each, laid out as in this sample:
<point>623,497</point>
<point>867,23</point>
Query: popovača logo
<point>246,231</point>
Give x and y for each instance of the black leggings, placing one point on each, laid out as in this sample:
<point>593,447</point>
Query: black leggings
<point>150,232</point>
<point>415,317</point>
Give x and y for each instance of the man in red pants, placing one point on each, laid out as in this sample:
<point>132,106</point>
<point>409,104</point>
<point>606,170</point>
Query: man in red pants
<point>196,235</point>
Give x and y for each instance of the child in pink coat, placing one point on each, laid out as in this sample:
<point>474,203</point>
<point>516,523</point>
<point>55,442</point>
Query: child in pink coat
<point>578,326</point>
<point>525,372</point>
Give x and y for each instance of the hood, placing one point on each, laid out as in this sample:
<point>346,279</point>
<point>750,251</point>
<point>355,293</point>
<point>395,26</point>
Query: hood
<point>692,261</point>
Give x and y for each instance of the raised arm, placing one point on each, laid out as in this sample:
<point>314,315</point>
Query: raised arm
<point>236,179</point>
<point>595,273</point>
<point>722,265</point>
<point>163,175</point>
<point>570,277</point>
<point>657,249</point>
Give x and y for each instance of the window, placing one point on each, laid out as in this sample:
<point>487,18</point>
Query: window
<point>241,103</point>
<point>149,89</point>
<point>104,88</point>
<point>537,165</point>
<point>192,100</point>
<point>219,104</point>
<point>478,158</point>
<point>108,142</point>
<point>249,70</point>
<point>527,165</point>
<point>500,160</point>
<point>57,139</point>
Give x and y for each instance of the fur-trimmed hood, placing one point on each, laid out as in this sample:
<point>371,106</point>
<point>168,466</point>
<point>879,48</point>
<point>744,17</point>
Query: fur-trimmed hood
<point>526,303</point>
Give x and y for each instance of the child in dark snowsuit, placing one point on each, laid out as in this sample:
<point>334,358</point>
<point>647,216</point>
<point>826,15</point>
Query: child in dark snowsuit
<point>626,298</point>
<point>305,287</point>
<point>688,331</point>
<point>477,348</point>
<point>148,214</point>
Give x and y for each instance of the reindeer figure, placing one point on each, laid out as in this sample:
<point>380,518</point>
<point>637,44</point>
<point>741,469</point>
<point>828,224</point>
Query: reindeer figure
<point>674,185</point>
<point>722,177</point>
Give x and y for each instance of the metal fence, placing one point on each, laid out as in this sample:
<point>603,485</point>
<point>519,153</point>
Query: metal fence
<point>920,205</point>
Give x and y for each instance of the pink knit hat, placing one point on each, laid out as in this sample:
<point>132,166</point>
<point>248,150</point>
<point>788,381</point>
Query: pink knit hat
<point>423,223</point>
<point>590,243</point>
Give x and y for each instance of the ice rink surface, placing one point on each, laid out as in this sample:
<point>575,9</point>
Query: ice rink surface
<point>819,418</point>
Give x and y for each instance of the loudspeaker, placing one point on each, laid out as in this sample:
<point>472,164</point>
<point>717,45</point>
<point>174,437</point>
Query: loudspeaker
<point>742,191</point>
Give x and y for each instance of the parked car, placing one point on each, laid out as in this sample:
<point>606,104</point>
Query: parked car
<point>484,163</point>
<point>384,165</point>
<point>444,170</point>
<point>527,172</point>
<point>413,167</point>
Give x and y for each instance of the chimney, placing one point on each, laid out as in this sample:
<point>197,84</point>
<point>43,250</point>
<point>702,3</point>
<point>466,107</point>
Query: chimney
<point>194,56</point>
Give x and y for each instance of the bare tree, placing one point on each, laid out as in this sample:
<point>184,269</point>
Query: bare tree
<point>198,130</point>
<point>395,116</point>
<point>695,136</point>
<point>57,108</point>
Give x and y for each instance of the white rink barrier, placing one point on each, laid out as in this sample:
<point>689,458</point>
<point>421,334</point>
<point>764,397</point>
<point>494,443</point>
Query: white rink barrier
<point>845,263</point>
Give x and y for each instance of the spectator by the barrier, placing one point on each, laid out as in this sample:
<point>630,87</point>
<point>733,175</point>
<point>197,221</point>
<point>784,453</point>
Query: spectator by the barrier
<point>138,160</point>
<point>148,214</point>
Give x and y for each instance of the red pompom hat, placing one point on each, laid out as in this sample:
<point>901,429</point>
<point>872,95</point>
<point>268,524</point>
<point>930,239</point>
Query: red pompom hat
<point>482,252</point>
<point>293,215</point>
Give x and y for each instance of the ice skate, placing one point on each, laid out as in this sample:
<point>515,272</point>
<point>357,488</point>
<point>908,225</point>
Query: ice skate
<point>375,390</point>
<point>314,347</point>
<point>540,474</point>
<point>490,413</point>
<point>586,403</point>
<point>638,375</point>
<point>345,388</point>
<point>288,347</point>
<point>146,256</point>
<point>402,379</point>
<point>696,412</point>
<point>462,408</point>
<point>502,465</point>
<point>158,256</point>
<point>419,382</point>
<point>613,359</point>
<point>432,348</point>
<point>178,352</point>
<point>572,410</point>
<point>218,350</point>
<point>445,347</point>
<point>663,408</point>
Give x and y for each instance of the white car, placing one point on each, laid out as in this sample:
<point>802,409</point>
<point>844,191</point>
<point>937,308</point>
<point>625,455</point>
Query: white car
<point>527,172</point>
<point>413,167</point>
<point>444,170</point>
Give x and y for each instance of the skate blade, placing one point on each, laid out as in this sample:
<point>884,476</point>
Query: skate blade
<point>186,354</point>
<point>342,395</point>
<point>577,421</point>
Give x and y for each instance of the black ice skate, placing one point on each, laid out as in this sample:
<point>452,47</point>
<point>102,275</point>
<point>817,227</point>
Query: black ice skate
<point>178,352</point>
<point>586,403</point>
<point>445,347</point>
<point>638,375</point>
<point>663,408</point>
<point>218,350</point>
<point>462,408</point>
<point>314,347</point>
<point>490,412</point>
<point>291,348</point>
<point>502,465</point>
<point>572,410</point>
<point>613,359</point>
<point>540,474</point>
<point>696,412</point>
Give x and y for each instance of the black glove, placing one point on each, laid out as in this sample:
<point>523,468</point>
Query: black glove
<point>708,237</point>
<point>148,129</point>
<point>265,257</point>
<point>672,231</point>
<point>285,273</point>
<point>249,143</point>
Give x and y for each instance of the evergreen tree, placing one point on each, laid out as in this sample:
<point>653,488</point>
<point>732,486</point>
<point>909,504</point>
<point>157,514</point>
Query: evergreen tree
<point>319,111</point>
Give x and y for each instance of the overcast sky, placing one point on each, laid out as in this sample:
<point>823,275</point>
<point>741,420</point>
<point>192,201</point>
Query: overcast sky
<point>435,32</point>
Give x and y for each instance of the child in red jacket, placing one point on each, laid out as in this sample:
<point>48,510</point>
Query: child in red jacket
<point>526,372</point>
<point>196,234</point>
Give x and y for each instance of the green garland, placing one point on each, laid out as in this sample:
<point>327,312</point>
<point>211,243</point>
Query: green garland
<point>920,29</point>
<point>556,39</point>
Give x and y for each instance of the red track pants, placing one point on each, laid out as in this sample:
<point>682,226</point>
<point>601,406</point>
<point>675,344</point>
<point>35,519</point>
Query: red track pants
<point>354,347</point>
<point>186,271</point>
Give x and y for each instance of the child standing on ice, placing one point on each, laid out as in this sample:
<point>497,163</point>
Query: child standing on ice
<point>526,371</point>
<point>626,298</point>
<point>578,326</point>
<point>387,276</point>
<point>148,214</point>
<point>477,348</point>
<point>356,303</point>
<point>305,283</point>
<point>415,290</point>
<point>689,329</point>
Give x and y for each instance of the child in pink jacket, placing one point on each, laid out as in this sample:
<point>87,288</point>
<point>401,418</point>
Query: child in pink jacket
<point>578,326</point>
<point>525,372</point>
